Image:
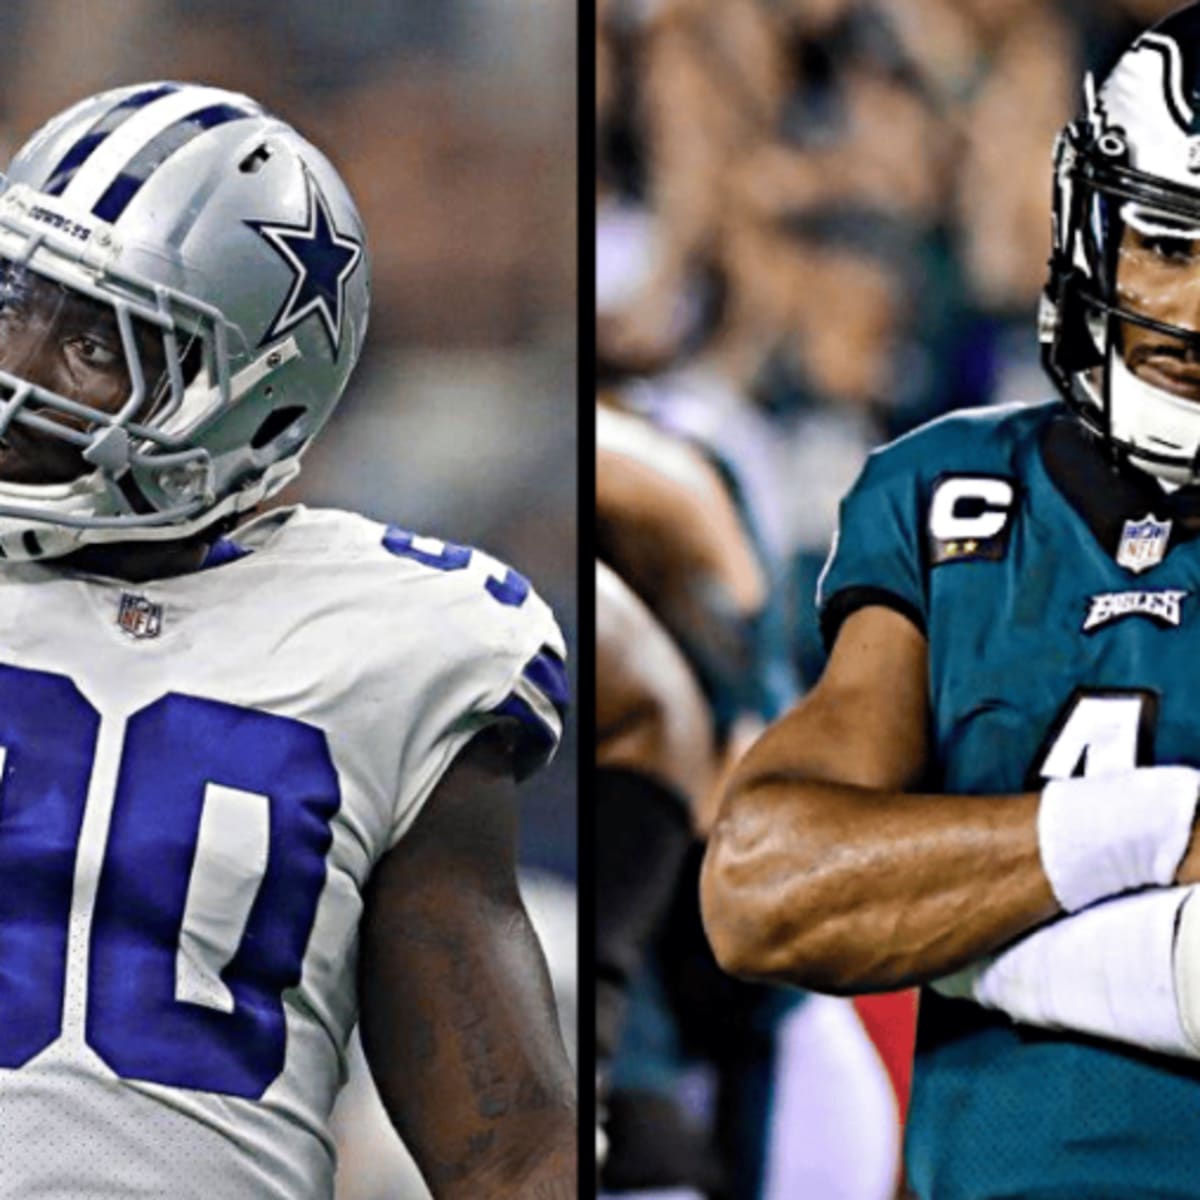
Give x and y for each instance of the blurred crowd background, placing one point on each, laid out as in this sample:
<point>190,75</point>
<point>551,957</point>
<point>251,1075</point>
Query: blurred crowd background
<point>454,123</point>
<point>819,223</point>
<point>822,222</point>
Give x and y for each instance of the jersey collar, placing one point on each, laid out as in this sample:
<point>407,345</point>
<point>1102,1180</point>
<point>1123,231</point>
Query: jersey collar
<point>1107,495</point>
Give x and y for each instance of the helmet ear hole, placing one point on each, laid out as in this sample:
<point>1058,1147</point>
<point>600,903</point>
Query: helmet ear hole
<point>237,255</point>
<point>277,422</point>
<point>255,160</point>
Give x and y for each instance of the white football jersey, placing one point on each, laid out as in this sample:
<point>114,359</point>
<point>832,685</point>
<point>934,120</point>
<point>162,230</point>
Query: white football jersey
<point>198,775</point>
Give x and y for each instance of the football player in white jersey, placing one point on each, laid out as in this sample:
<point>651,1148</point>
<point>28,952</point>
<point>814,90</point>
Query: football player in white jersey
<point>257,775</point>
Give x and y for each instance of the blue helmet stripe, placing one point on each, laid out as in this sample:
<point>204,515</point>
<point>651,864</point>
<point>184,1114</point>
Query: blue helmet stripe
<point>112,120</point>
<point>156,152</point>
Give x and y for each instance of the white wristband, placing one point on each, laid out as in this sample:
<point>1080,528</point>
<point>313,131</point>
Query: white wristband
<point>1105,834</point>
<point>1187,968</point>
<point>1110,972</point>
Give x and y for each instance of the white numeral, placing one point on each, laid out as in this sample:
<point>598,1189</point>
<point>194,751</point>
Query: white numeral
<point>1099,736</point>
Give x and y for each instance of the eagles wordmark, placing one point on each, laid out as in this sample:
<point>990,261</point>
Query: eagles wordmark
<point>1162,607</point>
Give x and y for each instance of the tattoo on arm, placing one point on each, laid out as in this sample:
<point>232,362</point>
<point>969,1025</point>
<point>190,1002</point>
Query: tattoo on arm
<point>472,1028</point>
<point>472,1019</point>
<point>458,1016</point>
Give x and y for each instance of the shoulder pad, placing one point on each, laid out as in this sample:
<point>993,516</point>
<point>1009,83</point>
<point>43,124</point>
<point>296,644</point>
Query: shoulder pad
<point>511,632</point>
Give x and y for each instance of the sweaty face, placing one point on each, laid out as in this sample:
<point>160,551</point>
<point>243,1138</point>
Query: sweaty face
<point>68,344</point>
<point>1158,276</point>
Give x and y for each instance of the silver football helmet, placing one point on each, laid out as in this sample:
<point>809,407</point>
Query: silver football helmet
<point>210,259</point>
<point>1127,172</point>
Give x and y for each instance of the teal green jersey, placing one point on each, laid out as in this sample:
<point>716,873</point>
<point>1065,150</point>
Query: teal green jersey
<point>1060,599</point>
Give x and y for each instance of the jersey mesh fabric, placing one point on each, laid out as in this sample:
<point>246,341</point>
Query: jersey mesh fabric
<point>1000,1110</point>
<point>358,673</point>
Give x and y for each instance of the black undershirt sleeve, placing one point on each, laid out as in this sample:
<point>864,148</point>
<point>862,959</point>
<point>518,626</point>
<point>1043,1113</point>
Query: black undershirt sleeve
<point>643,830</point>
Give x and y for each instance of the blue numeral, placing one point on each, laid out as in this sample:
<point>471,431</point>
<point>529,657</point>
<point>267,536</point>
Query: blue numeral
<point>511,590</point>
<point>451,558</point>
<point>173,749</point>
<point>48,731</point>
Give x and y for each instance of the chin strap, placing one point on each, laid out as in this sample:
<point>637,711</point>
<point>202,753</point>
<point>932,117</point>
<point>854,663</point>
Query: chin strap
<point>1158,431</point>
<point>48,521</point>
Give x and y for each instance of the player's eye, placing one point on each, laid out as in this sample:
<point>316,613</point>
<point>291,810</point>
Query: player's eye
<point>1169,248</point>
<point>91,351</point>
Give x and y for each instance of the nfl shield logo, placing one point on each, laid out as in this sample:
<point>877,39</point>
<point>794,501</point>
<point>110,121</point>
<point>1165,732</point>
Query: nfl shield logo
<point>138,617</point>
<point>1143,543</point>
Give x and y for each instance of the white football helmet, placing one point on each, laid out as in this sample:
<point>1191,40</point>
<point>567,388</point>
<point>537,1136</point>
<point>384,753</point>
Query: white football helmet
<point>1131,160</point>
<point>227,259</point>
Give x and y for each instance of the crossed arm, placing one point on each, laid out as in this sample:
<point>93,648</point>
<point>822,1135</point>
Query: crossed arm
<point>825,872</point>
<point>457,1013</point>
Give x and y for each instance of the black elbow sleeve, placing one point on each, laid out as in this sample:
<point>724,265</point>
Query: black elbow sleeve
<point>643,830</point>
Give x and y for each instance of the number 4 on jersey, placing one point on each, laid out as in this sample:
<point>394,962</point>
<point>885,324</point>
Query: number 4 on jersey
<point>1097,732</point>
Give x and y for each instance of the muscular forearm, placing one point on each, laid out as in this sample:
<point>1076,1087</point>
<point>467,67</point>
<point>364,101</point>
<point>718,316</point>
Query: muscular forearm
<point>847,888</point>
<point>843,888</point>
<point>823,870</point>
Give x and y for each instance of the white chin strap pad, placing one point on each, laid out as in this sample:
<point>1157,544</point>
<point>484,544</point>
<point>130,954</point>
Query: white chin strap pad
<point>1148,417</point>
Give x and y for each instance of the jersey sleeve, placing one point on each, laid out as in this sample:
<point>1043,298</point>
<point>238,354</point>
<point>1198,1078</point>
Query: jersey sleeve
<point>500,661</point>
<point>877,552</point>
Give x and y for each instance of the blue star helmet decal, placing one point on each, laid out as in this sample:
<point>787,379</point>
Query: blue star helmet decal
<point>322,259</point>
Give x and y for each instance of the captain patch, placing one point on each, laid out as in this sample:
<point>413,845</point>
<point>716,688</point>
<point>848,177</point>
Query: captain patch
<point>969,518</point>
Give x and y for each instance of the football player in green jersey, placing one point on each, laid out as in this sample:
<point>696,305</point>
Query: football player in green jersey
<point>992,791</point>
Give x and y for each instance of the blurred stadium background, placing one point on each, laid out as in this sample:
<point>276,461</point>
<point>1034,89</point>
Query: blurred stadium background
<point>820,223</point>
<point>454,124</point>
